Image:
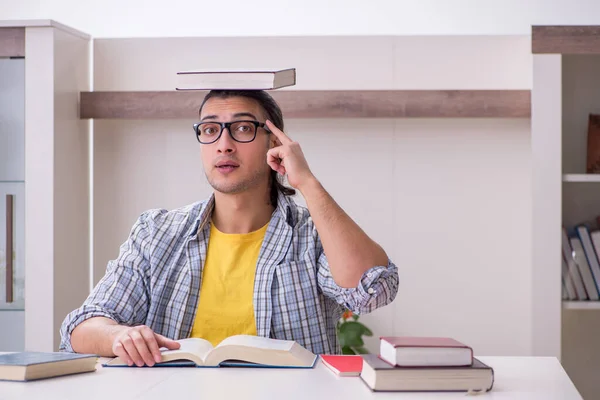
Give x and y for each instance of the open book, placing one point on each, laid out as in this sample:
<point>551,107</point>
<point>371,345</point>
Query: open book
<point>239,350</point>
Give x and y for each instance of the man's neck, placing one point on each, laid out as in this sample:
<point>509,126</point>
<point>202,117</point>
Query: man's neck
<point>243,212</point>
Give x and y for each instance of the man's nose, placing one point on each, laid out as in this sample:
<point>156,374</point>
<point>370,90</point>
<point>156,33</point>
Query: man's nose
<point>225,144</point>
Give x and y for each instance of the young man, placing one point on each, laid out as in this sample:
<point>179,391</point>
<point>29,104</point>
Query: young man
<point>246,261</point>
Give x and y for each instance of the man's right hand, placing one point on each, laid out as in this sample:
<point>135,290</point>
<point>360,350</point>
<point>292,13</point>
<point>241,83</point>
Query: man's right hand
<point>139,345</point>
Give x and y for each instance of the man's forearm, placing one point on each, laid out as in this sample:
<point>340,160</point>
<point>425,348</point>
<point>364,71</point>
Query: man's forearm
<point>350,252</point>
<point>96,336</point>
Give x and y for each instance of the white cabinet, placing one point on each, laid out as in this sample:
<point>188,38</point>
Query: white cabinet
<point>12,275</point>
<point>44,172</point>
<point>12,204</point>
<point>12,119</point>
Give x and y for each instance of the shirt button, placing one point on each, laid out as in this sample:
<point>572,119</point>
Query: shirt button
<point>370,291</point>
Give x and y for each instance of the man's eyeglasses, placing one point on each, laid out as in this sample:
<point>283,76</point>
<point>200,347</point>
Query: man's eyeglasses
<point>240,131</point>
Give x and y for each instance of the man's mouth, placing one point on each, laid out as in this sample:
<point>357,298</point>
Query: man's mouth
<point>226,166</point>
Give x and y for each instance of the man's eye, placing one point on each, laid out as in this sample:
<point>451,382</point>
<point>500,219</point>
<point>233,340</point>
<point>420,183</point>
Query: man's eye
<point>244,127</point>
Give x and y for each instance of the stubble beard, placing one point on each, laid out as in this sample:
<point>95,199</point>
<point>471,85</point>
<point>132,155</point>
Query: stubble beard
<point>238,186</point>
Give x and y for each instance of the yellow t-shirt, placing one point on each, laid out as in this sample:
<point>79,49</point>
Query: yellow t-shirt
<point>226,307</point>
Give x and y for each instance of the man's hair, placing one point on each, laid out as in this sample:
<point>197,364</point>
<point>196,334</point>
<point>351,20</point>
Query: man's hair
<point>273,113</point>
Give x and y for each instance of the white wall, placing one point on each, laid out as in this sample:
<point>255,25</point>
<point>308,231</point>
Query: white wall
<point>139,18</point>
<point>449,199</point>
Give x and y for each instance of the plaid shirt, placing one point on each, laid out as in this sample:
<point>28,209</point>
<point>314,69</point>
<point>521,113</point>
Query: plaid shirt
<point>156,279</point>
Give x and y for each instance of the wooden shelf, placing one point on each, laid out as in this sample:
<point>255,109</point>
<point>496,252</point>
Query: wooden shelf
<point>581,305</point>
<point>572,39</point>
<point>321,104</point>
<point>583,178</point>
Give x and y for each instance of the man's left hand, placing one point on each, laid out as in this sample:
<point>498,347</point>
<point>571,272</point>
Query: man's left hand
<point>288,158</point>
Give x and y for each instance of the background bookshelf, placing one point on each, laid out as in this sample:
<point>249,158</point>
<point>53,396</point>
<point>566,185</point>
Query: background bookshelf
<point>566,89</point>
<point>581,204</point>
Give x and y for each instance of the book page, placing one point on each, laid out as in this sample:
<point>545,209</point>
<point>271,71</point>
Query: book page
<point>260,350</point>
<point>257,342</point>
<point>197,347</point>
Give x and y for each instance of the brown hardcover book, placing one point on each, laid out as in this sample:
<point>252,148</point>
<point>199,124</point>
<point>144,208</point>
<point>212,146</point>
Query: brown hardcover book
<point>381,376</point>
<point>593,144</point>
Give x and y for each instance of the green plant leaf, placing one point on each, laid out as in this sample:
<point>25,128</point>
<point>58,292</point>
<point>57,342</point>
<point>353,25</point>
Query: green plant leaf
<point>347,350</point>
<point>349,338</point>
<point>350,334</point>
<point>355,326</point>
<point>355,317</point>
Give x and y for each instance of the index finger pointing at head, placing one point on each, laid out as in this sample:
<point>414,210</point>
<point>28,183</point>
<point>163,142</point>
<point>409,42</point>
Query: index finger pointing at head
<point>283,138</point>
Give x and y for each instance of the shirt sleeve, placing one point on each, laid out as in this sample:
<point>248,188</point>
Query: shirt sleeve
<point>122,294</point>
<point>377,287</point>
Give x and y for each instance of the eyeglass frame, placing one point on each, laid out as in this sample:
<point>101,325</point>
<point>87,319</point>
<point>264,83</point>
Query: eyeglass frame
<point>227,125</point>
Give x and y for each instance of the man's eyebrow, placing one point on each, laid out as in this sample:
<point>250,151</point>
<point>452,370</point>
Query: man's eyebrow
<point>236,115</point>
<point>245,114</point>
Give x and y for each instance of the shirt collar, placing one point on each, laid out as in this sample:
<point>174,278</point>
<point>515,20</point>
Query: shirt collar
<point>284,210</point>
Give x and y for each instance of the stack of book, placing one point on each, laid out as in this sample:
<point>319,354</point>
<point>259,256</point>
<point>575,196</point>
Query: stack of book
<point>425,364</point>
<point>581,263</point>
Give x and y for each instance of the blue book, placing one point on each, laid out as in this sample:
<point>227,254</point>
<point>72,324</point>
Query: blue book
<point>28,366</point>
<point>235,351</point>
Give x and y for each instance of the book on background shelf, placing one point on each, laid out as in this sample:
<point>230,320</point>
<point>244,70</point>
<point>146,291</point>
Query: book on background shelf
<point>569,287</point>
<point>584,268</point>
<point>574,269</point>
<point>343,365</point>
<point>236,79</point>
<point>410,351</point>
<point>29,366</point>
<point>589,252</point>
<point>379,375</point>
<point>595,238</point>
<point>593,144</point>
<point>234,351</point>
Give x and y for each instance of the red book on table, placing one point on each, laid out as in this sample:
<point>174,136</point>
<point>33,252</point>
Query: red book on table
<point>410,351</point>
<point>343,365</point>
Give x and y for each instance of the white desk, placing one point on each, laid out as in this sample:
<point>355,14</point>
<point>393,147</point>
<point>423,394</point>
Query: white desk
<point>527,378</point>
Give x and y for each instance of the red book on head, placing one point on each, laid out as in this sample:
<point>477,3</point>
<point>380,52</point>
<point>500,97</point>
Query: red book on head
<point>343,365</point>
<point>414,351</point>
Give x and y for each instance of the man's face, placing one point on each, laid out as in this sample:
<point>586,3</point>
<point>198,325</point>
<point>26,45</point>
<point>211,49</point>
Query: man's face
<point>233,167</point>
